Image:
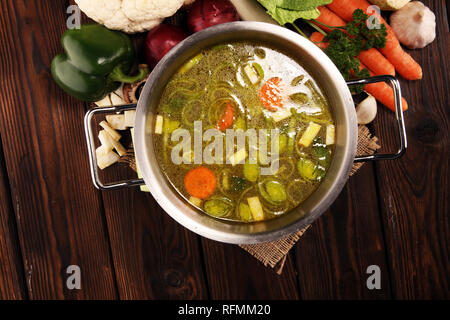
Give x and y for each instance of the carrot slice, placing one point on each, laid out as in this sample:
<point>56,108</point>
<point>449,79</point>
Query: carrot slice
<point>271,95</point>
<point>200,182</point>
<point>227,118</point>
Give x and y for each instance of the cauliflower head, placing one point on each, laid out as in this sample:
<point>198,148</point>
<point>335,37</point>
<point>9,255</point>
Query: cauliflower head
<point>130,16</point>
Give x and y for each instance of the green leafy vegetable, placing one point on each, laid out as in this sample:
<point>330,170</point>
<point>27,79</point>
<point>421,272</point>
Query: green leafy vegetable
<point>287,11</point>
<point>322,152</point>
<point>297,5</point>
<point>238,184</point>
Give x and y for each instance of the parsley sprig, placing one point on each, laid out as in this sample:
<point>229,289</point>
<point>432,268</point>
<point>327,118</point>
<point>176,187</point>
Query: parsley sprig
<point>345,43</point>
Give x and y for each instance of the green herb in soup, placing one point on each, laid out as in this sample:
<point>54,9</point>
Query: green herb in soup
<point>243,132</point>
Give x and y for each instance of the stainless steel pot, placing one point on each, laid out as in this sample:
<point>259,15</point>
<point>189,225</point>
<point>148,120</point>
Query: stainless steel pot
<point>323,71</point>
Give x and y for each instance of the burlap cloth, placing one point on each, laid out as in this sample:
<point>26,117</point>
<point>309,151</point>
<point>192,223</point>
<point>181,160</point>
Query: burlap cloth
<point>274,253</point>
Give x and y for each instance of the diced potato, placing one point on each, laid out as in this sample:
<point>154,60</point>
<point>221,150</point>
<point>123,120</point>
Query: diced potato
<point>130,115</point>
<point>105,140</point>
<point>330,135</point>
<point>195,201</point>
<point>281,114</point>
<point>256,208</point>
<point>119,148</point>
<point>251,74</point>
<point>159,124</point>
<point>226,181</point>
<point>113,133</point>
<point>238,157</point>
<point>116,121</point>
<point>310,133</point>
<point>119,91</point>
<point>105,102</point>
<point>107,159</point>
<point>101,151</point>
<point>117,100</point>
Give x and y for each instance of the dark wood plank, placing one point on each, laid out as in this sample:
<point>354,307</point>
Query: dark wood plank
<point>58,213</point>
<point>154,257</point>
<point>12,284</point>
<point>234,274</point>
<point>415,189</point>
<point>332,257</point>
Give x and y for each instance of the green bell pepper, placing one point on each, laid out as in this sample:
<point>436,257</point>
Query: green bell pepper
<point>95,62</point>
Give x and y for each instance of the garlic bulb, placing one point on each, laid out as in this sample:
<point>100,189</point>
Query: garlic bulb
<point>366,110</point>
<point>391,5</point>
<point>414,25</point>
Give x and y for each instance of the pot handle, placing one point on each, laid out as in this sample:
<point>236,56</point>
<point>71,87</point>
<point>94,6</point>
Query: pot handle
<point>403,143</point>
<point>91,149</point>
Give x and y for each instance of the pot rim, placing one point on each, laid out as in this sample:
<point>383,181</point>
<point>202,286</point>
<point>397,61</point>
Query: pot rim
<point>178,208</point>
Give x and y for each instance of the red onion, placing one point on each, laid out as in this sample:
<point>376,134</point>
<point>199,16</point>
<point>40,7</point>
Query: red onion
<point>207,13</point>
<point>160,40</point>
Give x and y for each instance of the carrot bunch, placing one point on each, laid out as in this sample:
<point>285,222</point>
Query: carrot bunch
<point>386,60</point>
<point>380,90</point>
<point>402,61</point>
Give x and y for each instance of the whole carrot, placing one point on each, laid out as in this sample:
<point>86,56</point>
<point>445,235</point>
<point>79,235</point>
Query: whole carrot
<point>371,58</point>
<point>380,90</point>
<point>383,93</point>
<point>328,18</point>
<point>402,61</point>
<point>317,38</point>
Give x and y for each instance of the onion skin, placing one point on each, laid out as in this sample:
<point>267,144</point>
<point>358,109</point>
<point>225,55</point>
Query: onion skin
<point>207,13</point>
<point>160,40</point>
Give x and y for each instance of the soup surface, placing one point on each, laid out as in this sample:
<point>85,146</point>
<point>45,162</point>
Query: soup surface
<point>243,132</point>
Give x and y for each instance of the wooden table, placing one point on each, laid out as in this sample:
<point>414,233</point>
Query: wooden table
<point>393,214</point>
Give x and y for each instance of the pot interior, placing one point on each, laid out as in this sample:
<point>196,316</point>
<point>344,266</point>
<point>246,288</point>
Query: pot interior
<point>320,68</point>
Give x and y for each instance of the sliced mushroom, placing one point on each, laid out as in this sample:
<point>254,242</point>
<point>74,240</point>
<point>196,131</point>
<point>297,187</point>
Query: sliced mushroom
<point>131,92</point>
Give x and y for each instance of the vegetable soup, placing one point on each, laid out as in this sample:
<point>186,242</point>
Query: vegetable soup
<point>243,132</point>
